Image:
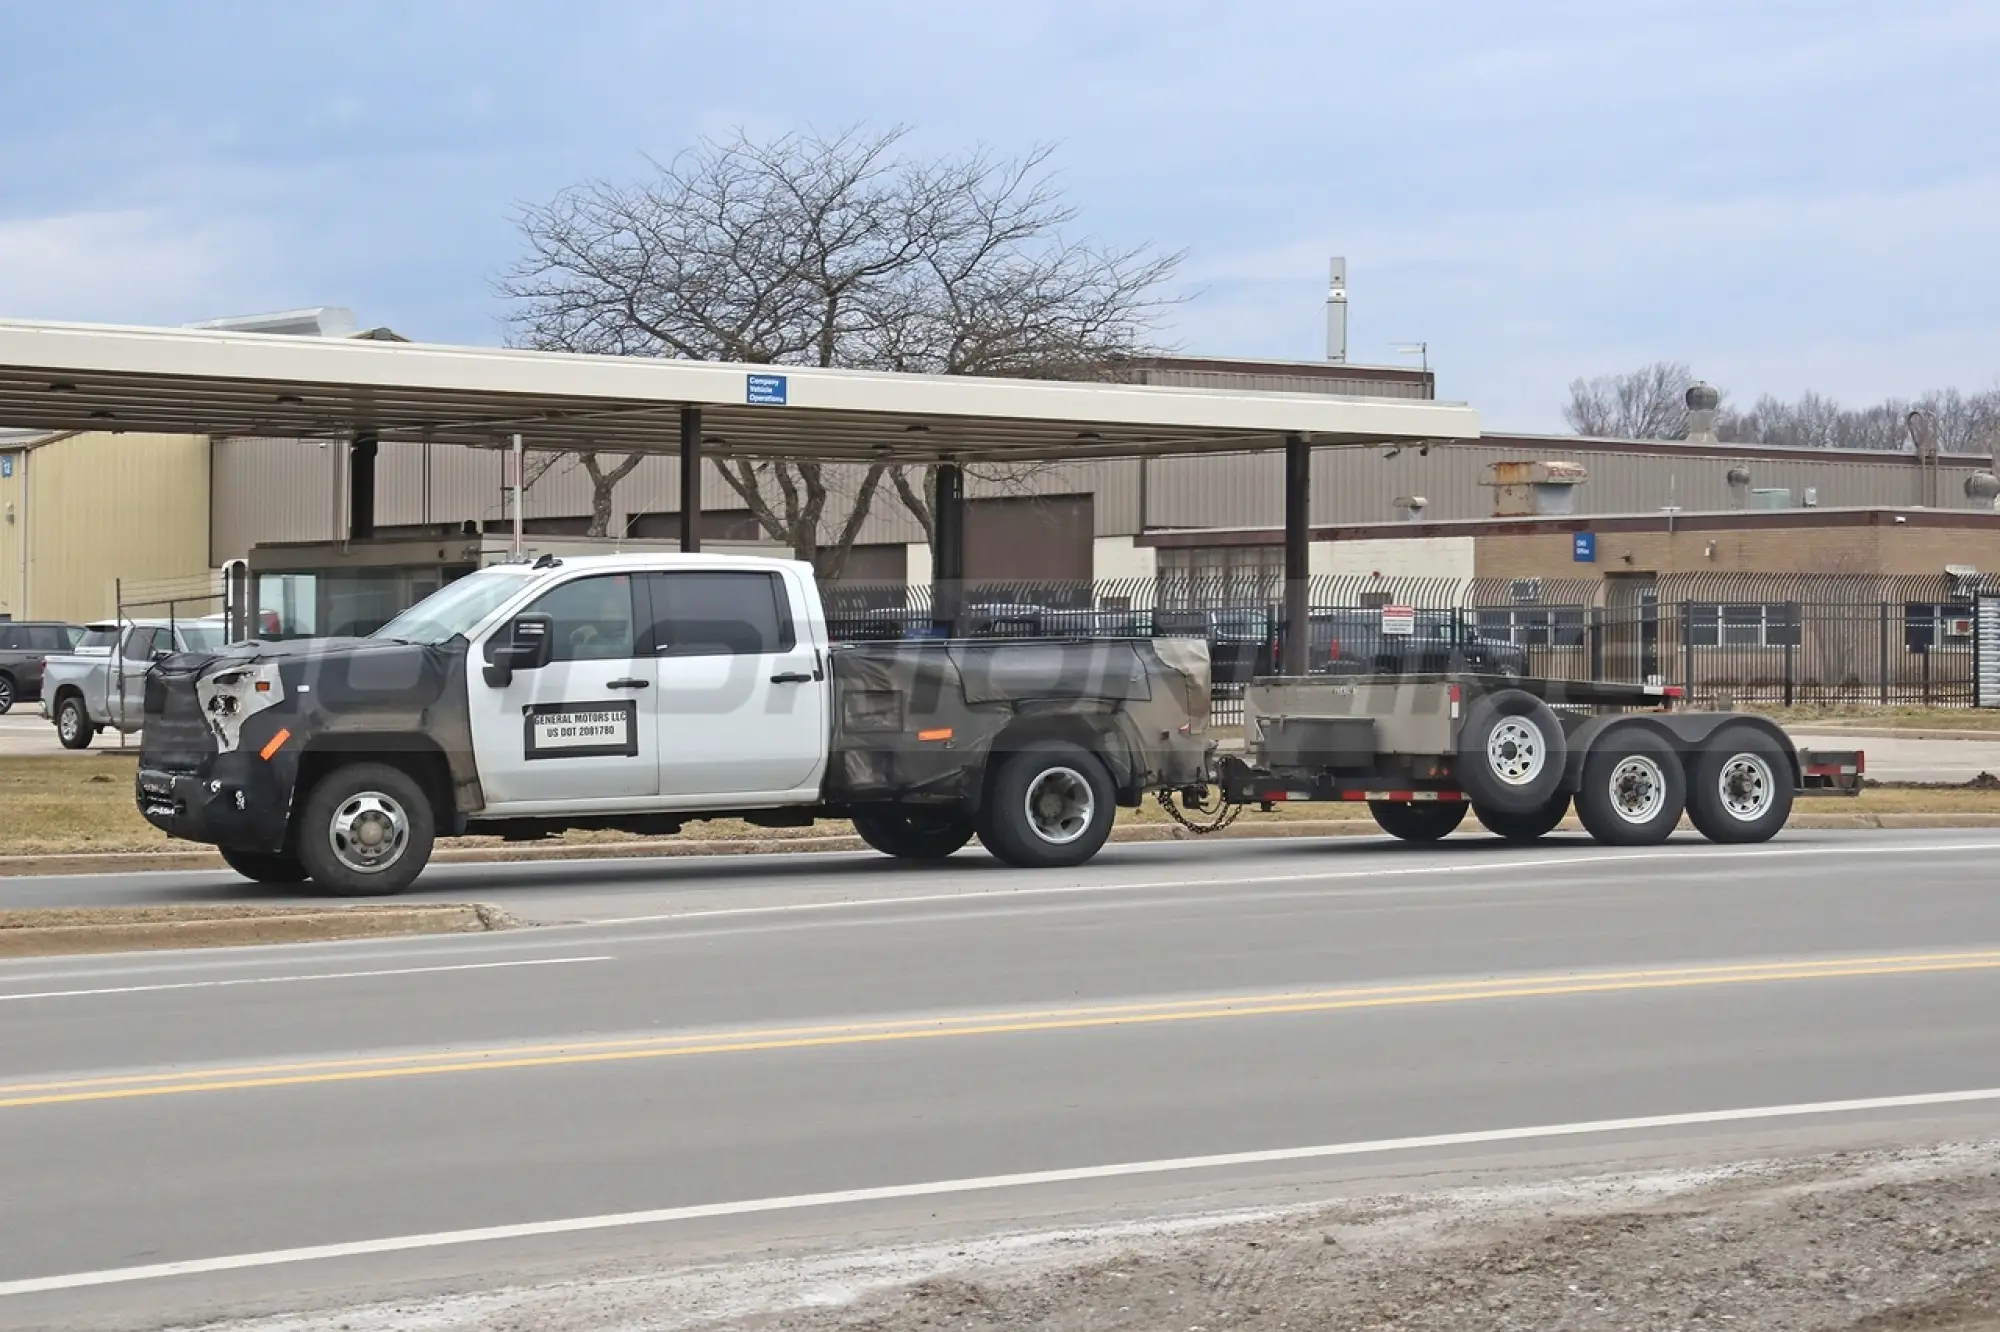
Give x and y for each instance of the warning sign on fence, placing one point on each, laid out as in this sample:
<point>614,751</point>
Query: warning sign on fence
<point>1399,620</point>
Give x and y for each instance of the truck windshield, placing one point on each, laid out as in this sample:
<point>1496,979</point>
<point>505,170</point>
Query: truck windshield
<point>455,608</point>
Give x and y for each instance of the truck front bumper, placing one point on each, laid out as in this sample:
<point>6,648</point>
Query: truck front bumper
<point>216,806</point>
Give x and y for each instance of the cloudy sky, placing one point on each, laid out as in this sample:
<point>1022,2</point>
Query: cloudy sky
<point>1786,195</point>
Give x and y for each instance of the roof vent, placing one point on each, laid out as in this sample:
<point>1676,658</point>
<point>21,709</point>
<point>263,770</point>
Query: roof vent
<point>1410,508</point>
<point>1534,489</point>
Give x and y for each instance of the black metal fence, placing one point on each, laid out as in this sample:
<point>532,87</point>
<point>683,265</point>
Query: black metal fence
<point>1767,639</point>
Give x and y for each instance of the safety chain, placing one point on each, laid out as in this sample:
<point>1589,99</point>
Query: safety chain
<point>1219,817</point>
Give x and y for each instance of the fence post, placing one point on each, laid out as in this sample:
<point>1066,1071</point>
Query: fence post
<point>1794,612</point>
<point>1687,647</point>
<point>1885,654</point>
<point>1597,643</point>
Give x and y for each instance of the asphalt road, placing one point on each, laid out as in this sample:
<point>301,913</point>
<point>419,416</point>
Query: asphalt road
<point>778,1054</point>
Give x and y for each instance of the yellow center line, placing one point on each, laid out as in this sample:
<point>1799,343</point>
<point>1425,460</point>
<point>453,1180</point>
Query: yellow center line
<point>435,1063</point>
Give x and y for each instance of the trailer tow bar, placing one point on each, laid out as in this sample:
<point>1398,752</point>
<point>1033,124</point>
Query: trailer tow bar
<point>1195,814</point>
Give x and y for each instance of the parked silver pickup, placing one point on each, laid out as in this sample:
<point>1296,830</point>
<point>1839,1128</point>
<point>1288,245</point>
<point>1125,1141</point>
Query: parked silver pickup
<point>103,682</point>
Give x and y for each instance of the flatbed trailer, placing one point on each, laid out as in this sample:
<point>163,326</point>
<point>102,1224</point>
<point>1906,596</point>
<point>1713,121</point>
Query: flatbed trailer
<point>1518,754</point>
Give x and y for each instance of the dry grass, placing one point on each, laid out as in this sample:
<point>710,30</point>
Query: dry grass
<point>1888,719</point>
<point>53,805</point>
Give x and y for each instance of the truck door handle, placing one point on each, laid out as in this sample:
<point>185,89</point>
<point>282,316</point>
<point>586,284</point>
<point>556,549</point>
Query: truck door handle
<point>791,677</point>
<point>627,683</point>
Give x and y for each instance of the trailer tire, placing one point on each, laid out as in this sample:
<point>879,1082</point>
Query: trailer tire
<point>1523,828</point>
<point>1740,786</point>
<point>914,834</point>
<point>1418,820</point>
<point>1511,753</point>
<point>366,830</point>
<point>264,866</point>
<point>73,726</point>
<point>1634,789</point>
<point>1050,806</point>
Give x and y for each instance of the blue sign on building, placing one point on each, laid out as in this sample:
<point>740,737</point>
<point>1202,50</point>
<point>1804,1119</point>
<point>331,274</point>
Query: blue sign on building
<point>6,465</point>
<point>1584,551</point>
<point>766,391</point>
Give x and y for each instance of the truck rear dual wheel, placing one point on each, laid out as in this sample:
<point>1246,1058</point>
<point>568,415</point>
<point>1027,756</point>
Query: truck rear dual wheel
<point>1740,786</point>
<point>915,834</point>
<point>1634,789</point>
<point>1418,820</point>
<point>1050,805</point>
<point>366,830</point>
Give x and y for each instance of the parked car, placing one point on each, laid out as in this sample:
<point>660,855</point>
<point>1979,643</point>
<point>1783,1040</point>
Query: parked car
<point>24,646</point>
<point>103,681</point>
<point>1439,642</point>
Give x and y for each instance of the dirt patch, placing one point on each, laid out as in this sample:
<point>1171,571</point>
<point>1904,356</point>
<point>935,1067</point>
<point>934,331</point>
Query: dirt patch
<point>55,931</point>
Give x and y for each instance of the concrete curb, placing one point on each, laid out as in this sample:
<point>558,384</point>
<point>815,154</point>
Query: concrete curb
<point>303,926</point>
<point>114,862</point>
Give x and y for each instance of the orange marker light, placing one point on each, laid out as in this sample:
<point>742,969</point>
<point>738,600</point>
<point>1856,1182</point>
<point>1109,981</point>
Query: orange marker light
<point>277,743</point>
<point>943,734</point>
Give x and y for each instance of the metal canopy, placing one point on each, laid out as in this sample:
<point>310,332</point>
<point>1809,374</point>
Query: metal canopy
<point>199,382</point>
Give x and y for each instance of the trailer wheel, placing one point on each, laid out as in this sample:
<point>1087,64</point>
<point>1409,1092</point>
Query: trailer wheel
<point>1418,820</point>
<point>1634,789</point>
<point>915,834</point>
<point>366,831</point>
<point>264,866</point>
<point>1511,753</point>
<point>1530,827</point>
<point>1050,805</point>
<point>1740,786</point>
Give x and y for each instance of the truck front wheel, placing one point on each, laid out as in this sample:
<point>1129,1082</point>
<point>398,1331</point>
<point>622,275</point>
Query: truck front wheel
<point>366,831</point>
<point>1418,820</point>
<point>917,834</point>
<point>264,866</point>
<point>1049,806</point>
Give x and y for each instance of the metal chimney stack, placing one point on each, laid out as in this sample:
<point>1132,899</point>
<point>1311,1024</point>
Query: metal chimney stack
<point>1336,313</point>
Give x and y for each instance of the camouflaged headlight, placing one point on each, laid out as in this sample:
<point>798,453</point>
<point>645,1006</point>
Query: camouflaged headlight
<point>235,694</point>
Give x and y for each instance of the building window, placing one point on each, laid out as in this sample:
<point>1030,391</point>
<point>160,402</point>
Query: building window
<point>1204,576</point>
<point>1743,624</point>
<point>1534,626</point>
<point>1936,624</point>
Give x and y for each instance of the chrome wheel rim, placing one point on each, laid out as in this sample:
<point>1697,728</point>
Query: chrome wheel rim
<point>1638,789</point>
<point>67,724</point>
<point>1515,751</point>
<point>6,694</point>
<point>369,833</point>
<point>1060,805</point>
<point>1747,787</point>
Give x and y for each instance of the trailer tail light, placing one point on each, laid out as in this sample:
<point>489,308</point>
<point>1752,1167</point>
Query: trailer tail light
<point>1457,698</point>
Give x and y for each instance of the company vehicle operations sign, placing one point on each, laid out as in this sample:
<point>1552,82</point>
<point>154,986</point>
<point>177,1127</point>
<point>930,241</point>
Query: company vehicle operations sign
<point>765,390</point>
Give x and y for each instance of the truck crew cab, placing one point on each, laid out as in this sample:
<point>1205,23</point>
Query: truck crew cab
<point>639,692</point>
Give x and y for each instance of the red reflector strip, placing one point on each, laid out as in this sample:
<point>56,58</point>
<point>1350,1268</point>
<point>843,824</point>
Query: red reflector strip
<point>1404,797</point>
<point>1834,770</point>
<point>1674,691</point>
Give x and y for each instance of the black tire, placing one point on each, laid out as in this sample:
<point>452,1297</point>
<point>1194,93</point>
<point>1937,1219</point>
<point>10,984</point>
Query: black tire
<point>1418,820</point>
<point>1523,828</point>
<point>343,807</point>
<point>6,693</point>
<point>1049,806</point>
<point>73,726</point>
<point>1740,786</point>
<point>264,866</point>
<point>915,834</point>
<point>1634,789</point>
<point>1511,752</point>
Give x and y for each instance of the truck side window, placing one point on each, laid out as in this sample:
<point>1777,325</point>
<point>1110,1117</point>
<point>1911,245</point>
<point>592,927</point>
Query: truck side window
<point>139,645</point>
<point>593,618</point>
<point>720,614</point>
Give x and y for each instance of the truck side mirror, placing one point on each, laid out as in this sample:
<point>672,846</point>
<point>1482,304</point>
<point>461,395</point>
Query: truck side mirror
<point>527,645</point>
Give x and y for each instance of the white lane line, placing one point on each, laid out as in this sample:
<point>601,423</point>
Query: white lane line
<point>1213,880</point>
<point>896,1192</point>
<point>295,980</point>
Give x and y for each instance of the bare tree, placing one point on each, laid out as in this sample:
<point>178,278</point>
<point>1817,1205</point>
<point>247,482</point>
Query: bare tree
<point>839,250</point>
<point>1647,403</point>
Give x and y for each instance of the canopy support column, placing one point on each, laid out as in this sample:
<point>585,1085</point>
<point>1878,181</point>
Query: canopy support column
<point>1298,555</point>
<point>361,485</point>
<point>690,479</point>
<point>947,547</point>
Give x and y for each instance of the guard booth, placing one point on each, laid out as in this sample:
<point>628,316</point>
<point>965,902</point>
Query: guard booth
<point>333,589</point>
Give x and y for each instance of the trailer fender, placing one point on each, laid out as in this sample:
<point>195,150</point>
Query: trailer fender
<point>1688,732</point>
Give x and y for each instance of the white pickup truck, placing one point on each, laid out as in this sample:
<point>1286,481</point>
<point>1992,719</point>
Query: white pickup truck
<point>640,692</point>
<point>102,682</point>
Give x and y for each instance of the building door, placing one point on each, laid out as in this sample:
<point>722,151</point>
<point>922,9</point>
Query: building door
<point>1632,627</point>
